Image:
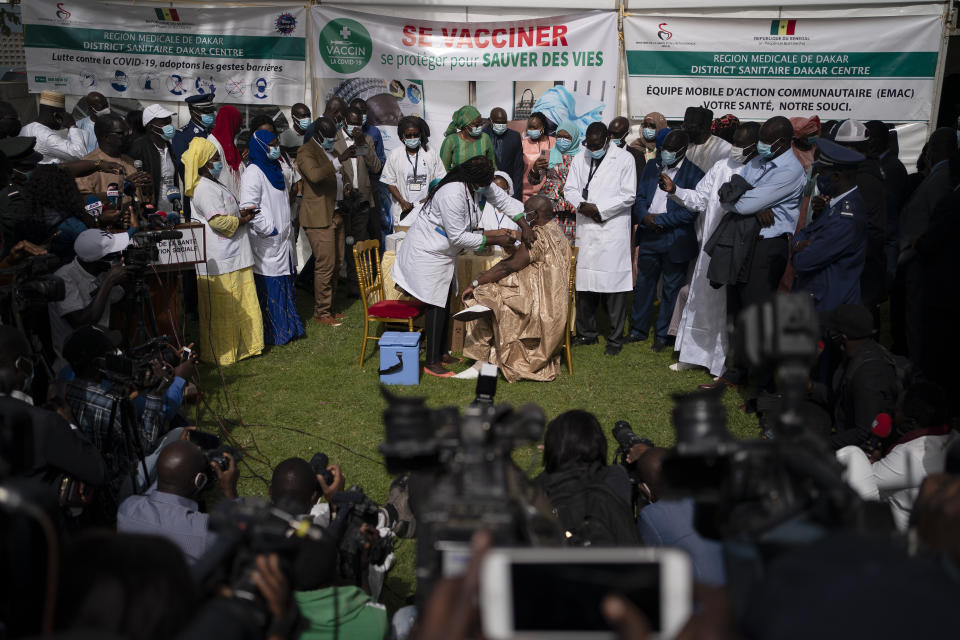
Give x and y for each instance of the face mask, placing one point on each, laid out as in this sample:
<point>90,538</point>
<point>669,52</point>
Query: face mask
<point>363,119</point>
<point>166,131</point>
<point>217,168</point>
<point>669,158</point>
<point>739,154</point>
<point>619,142</point>
<point>500,128</point>
<point>328,143</point>
<point>648,133</point>
<point>304,123</point>
<point>765,150</point>
<point>412,143</point>
<point>207,119</point>
<point>476,131</point>
<point>339,125</point>
<point>563,144</point>
<point>812,140</point>
<point>599,153</point>
<point>825,183</point>
<point>534,134</point>
<point>353,129</point>
<point>102,112</point>
<point>273,153</point>
<point>482,191</point>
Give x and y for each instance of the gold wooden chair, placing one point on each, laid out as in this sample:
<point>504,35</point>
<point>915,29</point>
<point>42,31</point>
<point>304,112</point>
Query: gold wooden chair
<point>375,307</point>
<point>571,308</point>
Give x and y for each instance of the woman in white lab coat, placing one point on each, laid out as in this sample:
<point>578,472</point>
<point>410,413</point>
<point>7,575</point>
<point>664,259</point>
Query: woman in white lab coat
<point>447,225</point>
<point>263,186</point>
<point>410,169</point>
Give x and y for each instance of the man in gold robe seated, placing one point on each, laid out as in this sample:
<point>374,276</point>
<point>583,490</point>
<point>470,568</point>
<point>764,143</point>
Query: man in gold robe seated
<point>527,294</point>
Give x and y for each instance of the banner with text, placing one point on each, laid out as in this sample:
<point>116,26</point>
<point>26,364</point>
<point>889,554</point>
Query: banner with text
<point>865,68</point>
<point>564,65</point>
<point>247,56</point>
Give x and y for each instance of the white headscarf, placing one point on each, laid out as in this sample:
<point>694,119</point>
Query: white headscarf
<point>505,176</point>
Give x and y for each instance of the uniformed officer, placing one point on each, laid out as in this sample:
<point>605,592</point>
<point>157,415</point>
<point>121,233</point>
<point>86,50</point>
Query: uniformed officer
<point>202,116</point>
<point>17,159</point>
<point>829,253</point>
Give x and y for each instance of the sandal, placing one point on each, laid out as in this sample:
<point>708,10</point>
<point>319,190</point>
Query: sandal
<point>437,371</point>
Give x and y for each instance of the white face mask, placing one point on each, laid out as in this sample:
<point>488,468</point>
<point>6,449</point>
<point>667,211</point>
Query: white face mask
<point>739,154</point>
<point>103,112</point>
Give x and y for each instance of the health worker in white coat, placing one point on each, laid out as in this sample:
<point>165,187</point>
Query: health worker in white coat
<point>702,335</point>
<point>263,186</point>
<point>447,226</point>
<point>602,186</point>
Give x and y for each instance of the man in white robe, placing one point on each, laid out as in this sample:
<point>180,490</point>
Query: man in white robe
<point>705,149</point>
<point>702,337</point>
<point>602,185</point>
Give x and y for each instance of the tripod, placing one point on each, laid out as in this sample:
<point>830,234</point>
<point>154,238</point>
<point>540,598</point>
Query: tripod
<point>145,312</point>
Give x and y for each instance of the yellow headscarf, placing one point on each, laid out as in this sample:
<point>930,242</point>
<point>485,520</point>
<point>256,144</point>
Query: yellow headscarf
<point>197,154</point>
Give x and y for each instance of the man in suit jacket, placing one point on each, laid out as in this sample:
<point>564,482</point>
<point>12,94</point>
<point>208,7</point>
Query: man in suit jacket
<point>322,190</point>
<point>358,155</point>
<point>666,239</point>
<point>507,149</point>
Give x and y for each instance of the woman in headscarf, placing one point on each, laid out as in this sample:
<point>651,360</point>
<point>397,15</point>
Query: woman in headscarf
<point>465,139</point>
<point>231,327</point>
<point>653,123</point>
<point>564,149</point>
<point>410,168</point>
<point>535,147</point>
<point>492,217</point>
<point>427,258</point>
<point>263,187</point>
<point>225,129</point>
<point>725,126</point>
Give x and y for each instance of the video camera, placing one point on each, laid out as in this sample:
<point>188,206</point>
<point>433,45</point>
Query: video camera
<point>463,478</point>
<point>135,367</point>
<point>214,450</point>
<point>31,283</point>
<point>143,250</point>
<point>626,439</point>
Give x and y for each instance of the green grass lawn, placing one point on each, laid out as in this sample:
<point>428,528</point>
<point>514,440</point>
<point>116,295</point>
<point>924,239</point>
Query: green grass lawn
<point>311,395</point>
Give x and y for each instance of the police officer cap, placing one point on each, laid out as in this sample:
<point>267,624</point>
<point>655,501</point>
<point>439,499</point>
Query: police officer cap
<point>849,131</point>
<point>19,149</point>
<point>852,320</point>
<point>202,100</point>
<point>832,154</point>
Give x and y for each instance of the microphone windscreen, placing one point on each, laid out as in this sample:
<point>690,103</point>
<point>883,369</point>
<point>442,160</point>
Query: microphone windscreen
<point>882,425</point>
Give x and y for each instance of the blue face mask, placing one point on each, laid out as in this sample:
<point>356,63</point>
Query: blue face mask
<point>304,123</point>
<point>363,119</point>
<point>599,153</point>
<point>669,158</point>
<point>619,142</point>
<point>339,125</point>
<point>563,144</point>
<point>328,143</point>
<point>482,191</point>
<point>167,131</point>
<point>534,134</point>
<point>273,153</point>
<point>764,150</point>
<point>412,143</point>
<point>499,128</point>
<point>476,131</point>
<point>353,129</point>
<point>207,119</point>
<point>216,169</point>
<point>648,133</point>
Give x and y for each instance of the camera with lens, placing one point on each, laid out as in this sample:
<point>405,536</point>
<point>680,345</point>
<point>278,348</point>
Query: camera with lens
<point>143,250</point>
<point>627,439</point>
<point>357,519</point>
<point>31,282</point>
<point>462,477</point>
<point>135,366</point>
<point>319,463</point>
<point>214,450</point>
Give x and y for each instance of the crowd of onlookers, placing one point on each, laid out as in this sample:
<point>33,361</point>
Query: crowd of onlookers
<point>709,217</point>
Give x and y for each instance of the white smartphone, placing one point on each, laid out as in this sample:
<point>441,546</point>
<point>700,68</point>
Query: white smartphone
<point>535,594</point>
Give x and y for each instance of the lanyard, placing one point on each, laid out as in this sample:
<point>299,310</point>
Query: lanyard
<point>594,165</point>
<point>415,162</point>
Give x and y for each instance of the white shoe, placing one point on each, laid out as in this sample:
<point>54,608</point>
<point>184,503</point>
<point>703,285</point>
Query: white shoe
<point>468,374</point>
<point>683,366</point>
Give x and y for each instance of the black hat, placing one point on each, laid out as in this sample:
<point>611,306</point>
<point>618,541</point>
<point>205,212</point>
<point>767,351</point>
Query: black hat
<point>852,320</point>
<point>19,150</point>
<point>202,100</point>
<point>87,343</point>
<point>832,154</point>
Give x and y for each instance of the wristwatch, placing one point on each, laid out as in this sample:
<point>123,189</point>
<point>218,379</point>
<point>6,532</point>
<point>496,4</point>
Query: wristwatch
<point>475,283</point>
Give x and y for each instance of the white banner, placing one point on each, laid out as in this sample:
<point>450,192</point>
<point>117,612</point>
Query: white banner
<point>878,68</point>
<point>564,65</point>
<point>246,56</point>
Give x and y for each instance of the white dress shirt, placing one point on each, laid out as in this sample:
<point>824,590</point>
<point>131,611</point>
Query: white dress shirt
<point>54,148</point>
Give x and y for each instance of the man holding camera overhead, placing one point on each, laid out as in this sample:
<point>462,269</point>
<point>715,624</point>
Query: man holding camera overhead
<point>357,154</point>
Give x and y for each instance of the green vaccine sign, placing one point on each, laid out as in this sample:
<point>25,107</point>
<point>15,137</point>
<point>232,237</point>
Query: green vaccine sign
<point>345,45</point>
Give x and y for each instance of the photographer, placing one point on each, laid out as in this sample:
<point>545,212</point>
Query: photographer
<point>170,509</point>
<point>92,286</point>
<point>591,499</point>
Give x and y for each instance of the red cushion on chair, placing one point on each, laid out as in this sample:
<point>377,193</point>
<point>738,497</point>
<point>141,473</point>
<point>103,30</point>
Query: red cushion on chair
<point>396,309</point>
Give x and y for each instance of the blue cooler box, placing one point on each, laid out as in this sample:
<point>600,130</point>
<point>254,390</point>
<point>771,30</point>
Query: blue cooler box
<point>400,357</point>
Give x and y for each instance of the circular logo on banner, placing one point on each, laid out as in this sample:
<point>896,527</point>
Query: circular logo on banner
<point>285,23</point>
<point>345,45</point>
<point>119,81</point>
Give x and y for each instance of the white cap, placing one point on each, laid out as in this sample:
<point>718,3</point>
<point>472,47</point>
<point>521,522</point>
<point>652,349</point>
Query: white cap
<point>153,112</point>
<point>850,131</point>
<point>93,244</point>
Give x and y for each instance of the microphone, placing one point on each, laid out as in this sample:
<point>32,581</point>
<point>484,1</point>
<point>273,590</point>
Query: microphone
<point>173,218</point>
<point>173,197</point>
<point>93,206</point>
<point>138,165</point>
<point>879,431</point>
<point>113,195</point>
